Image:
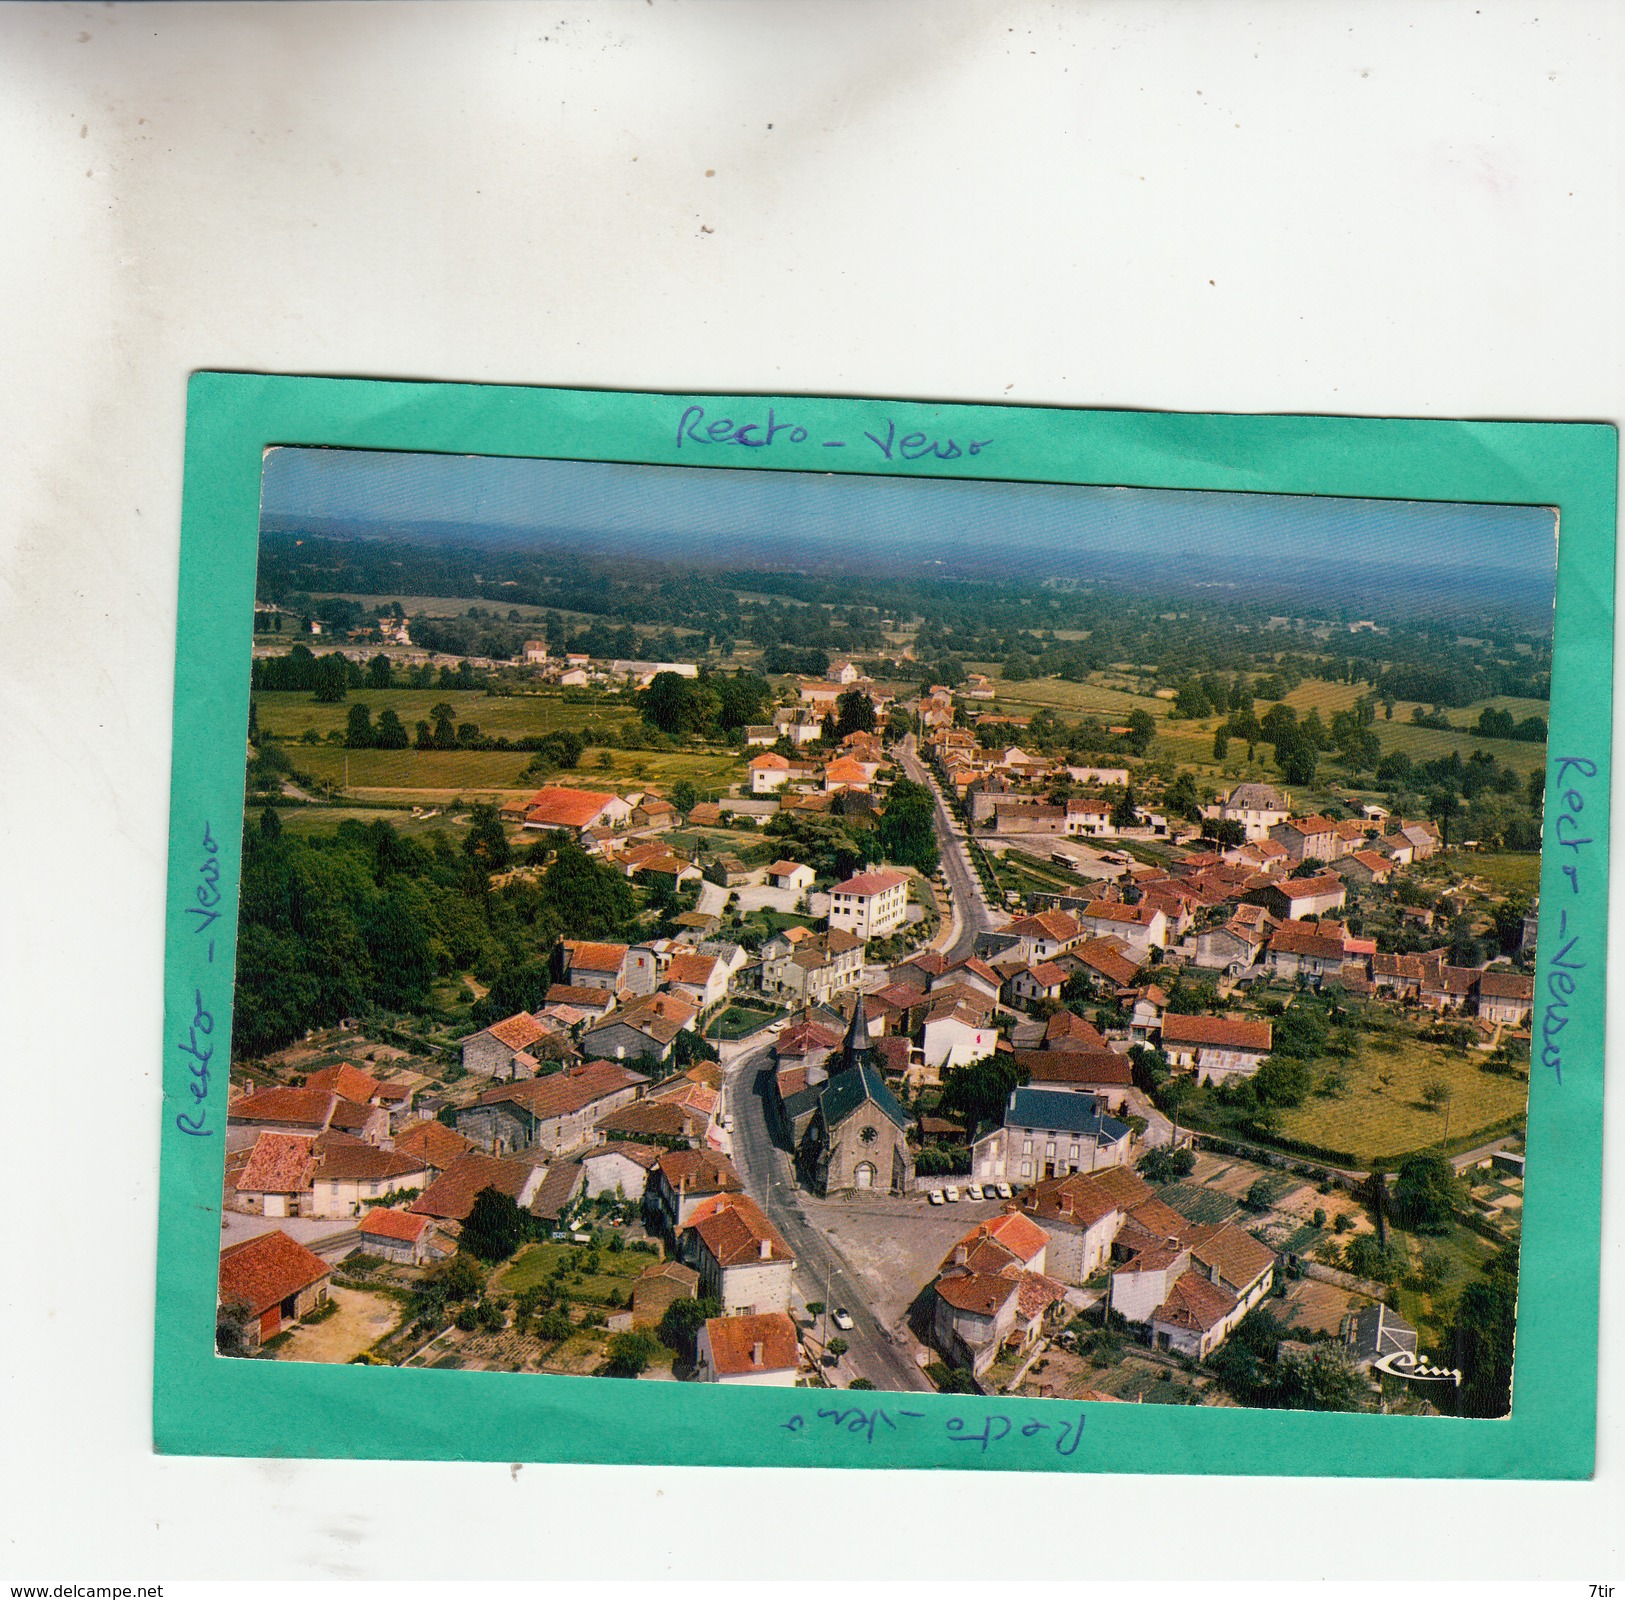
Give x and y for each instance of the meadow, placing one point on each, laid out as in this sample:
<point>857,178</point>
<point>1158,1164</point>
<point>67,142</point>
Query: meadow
<point>1380,1114</point>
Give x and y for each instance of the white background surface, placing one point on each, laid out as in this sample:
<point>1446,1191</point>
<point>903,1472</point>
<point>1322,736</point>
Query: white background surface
<point>1406,208</point>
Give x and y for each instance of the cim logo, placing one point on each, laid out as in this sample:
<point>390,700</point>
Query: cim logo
<point>1403,1364</point>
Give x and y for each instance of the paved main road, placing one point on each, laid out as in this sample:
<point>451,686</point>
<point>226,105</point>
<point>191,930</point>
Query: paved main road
<point>975,916</point>
<point>821,1273</point>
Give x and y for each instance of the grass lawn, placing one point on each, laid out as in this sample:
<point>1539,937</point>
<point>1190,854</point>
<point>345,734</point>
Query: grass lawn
<point>778,921</point>
<point>303,821</point>
<point>434,774</point>
<point>734,1022</point>
<point>1028,875</point>
<point>535,1262</point>
<point>1379,1120</point>
<point>1069,701</point>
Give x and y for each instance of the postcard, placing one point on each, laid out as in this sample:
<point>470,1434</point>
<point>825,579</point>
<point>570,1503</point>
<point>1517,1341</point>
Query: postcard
<point>773,931</point>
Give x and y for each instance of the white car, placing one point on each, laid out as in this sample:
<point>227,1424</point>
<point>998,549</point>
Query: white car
<point>973,1191</point>
<point>951,1195</point>
<point>1002,1190</point>
<point>842,1319</point>
<point>935,1197</point>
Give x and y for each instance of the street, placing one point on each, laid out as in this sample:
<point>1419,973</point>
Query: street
<point>973,914</point>
<point>821,1273</point>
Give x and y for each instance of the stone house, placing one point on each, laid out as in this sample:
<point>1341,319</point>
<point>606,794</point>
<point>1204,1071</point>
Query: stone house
<point>870,905</point>
<point>1049,1133</point>
<point>352,1175</point>
<point>658,1287</point>
<point>1257,807</point>
<point>549,1114</point>
<point>1216,1047</point>
<point>621,1168</point>
<point>276,1180</point>
<point>681,1181</point>
<point>274,1281</point>
<point>397,1236</point>
<point>646,1029</point>
<point>496,1051</point>
<point>743,1262</point>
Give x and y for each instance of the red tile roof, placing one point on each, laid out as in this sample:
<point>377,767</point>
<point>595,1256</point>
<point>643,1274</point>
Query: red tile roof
<point>694,969</point>
<point>567,1092</point>
<point>870,883</point>
<point>347,1160</point>
<point>297,1107</point>
<point>586,995</point>
<point>1507,986</point>
<point>1085,1197</point>
<point>1224,1033</point>
<point>1306,939</point>
<point>1066,1030</point>
<point>597,958</point>
<point>1110,911</point>
<point>1093,1067</point>
<point>1238,1257</point>
<point>1018,1234</point>
<point>762,1343</point>
<point>452,1194</point>
<point>1045,925</point>
<point>734,1230</point>
<point>699,1172</point>
<point>434,1143</point>
<point>1195,1304</point>
<point>346,1081</point>
<point>518,1032</point>
<point>280,1163</point>
<point>267,1269</point>
<point>382,1223</point>
<point>556,807</point>
<point>981,1294</point>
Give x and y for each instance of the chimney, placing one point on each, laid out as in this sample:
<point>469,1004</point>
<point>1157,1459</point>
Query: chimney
<point>766,1248</point>
<point>961,1255</point>
<point>756,1354</point>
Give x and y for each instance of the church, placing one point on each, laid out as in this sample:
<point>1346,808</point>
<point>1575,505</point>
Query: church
<point>857,1137</point>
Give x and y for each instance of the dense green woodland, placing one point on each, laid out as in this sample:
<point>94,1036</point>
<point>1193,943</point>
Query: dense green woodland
<point>366,920</point>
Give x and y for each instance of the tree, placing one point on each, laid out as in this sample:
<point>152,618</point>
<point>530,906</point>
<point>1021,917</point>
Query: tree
<point>837,1347</point>
<point>1141,730</point>
<point>681,1323</point>
<point>684,796</point>
<point>1224,831</point>
<point>486,842</point>
<point>1125,813</point>
<point>270,824</point>
<point>1221,744</point>
<point>854,713</point>
<point>907,833</point>
<point>378,672</point>
<point>1166,1166</point>
<point>495,1228</point>
<point>1260,1195</point>
<point>1320,1379</point>
<point>443,717</point>
<point>232,1320</point>
<point>331,679</point>
<point>628,1354</point>
<point>1297,757</point>
<point>1427,1194</point>
<point>358,734</point>
<point>978,1092</point>
<point>390,733</point>
<point>1481,1337</point>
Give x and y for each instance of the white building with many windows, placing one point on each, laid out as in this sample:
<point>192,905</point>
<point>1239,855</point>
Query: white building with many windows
<point>870,905</point>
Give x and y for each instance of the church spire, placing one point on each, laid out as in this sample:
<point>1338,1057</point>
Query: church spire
<point>855,1051</point>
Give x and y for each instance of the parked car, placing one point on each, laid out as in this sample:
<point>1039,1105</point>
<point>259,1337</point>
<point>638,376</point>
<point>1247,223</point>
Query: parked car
<point>973,1191</point>
<point>951,1194</point>
<point>842,1318</point>
<point>935,1197</point>
<point>1002,1190</point>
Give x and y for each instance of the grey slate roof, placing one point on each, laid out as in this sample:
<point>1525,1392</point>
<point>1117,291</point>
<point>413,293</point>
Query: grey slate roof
<point>846,1091</point>
<point>1064,1112</point>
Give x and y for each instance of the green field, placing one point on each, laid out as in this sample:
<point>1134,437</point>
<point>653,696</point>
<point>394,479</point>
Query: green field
<point>1505,871</point>
<point>1067,700</point>
<point>1380,1120</point>
<point>288,713</point>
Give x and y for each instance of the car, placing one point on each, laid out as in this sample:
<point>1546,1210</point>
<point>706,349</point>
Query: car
<point>842,1318</point>
<point>1003,1190</point>
<point>973,1191</point>
<point>951,1195</point>
<point>935,1197</point>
